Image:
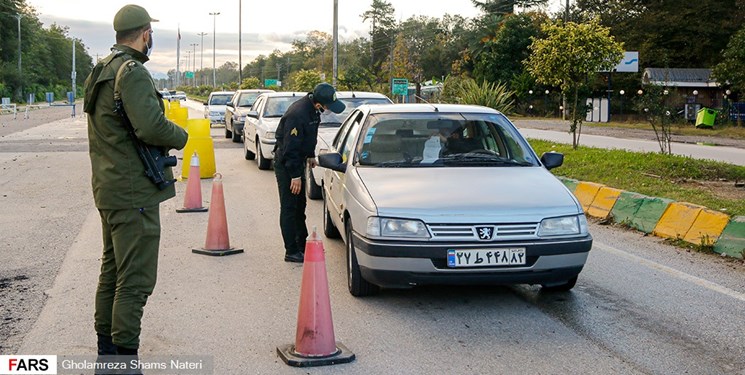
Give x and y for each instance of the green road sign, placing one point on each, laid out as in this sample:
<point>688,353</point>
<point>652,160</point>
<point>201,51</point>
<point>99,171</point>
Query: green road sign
<point>270,82</point>
<point>400,86</point>
<point>189,75</point>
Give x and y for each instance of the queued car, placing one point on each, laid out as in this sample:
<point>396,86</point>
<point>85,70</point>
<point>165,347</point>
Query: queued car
<point>166,94</point>
<point>214,109</point>
<point>448,194</point>
<point>236,110</point>
<point>328,128</point>
<point>261,125</point>
<point>178,95</point>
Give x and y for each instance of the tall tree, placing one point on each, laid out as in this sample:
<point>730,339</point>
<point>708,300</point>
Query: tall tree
<point>568,56</point>
<point>730,71</point>
<point>382,32</point>
<point>505,6</point>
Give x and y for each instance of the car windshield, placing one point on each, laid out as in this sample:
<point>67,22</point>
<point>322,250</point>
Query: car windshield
<point>220,99</point>
<point>442,140</point>
<point>330,119</point>
<point>276,106</point>
<point>247,99</point>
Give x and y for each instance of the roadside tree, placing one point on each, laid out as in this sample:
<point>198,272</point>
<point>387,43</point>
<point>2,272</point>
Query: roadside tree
<point>653,102</point>
<point>569,55</point>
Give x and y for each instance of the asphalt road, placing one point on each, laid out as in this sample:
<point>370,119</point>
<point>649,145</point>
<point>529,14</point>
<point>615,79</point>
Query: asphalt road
<point>640,306</point>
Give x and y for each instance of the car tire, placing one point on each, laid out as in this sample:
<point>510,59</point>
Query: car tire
<point>263,162</point>
<point>236,137</point>
<point>329,229</point>
<point>249,155</point>
<point>564,287</point>
<point>313,190</point>
<point>358,286</point>
<point>228,133</point>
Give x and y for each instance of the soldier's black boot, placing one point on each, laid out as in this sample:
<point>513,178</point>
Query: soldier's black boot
<point>106,353</point>
<point>130,358</point>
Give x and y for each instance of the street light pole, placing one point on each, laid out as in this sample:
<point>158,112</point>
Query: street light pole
<point>240,44</point>
<point>335,68</point>
<point>194,65</point>
<point>201,57</point>
<point>214,20</point>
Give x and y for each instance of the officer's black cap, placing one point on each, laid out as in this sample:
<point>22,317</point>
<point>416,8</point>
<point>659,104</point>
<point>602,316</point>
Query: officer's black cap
<point>326,95</point>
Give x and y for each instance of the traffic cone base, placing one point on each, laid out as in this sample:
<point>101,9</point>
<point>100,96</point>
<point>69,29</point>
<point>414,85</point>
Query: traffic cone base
<point>292,358</point>
<point>198,209</point>
<point>218,253</point>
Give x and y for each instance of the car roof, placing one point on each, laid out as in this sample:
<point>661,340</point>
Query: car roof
<point>284,94</point>
<point>426,108</point>
<point>241,91</point>
<point>359,94</point>
<point>222,93</point>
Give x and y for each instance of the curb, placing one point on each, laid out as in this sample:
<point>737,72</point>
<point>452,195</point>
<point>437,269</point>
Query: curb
<point>662,217</point>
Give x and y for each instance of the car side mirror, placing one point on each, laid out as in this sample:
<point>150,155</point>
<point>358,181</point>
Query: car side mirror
<point>333,161</point>
<point>253,114</point>
<point>552,159</point>
<point>230,104</point>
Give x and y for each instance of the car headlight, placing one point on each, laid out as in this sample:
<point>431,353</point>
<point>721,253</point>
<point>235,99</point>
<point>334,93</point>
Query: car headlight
<point>562,226</point>
<point>269,135</point>
<point>386,227</point>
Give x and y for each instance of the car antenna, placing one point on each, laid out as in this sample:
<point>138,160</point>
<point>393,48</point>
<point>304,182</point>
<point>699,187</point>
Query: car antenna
<point>422,99</point>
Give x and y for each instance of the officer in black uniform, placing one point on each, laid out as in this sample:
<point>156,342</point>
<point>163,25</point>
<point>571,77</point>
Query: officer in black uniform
<point>297,134</point>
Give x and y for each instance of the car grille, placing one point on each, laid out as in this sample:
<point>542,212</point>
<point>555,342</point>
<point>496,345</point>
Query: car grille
<point>470,232</point>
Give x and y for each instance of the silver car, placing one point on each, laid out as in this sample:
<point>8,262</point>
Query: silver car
<point>328,128</point>
<point>448,194</point>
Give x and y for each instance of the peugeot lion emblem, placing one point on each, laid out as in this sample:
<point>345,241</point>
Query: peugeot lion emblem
<point>485,233</point>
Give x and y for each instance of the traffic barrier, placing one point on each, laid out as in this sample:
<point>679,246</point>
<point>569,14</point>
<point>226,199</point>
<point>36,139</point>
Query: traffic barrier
<point>649,213</point>
<point>315,343</point>
<point>201,142</point>
<point>626,206</point>
<point>732,240</point>
<point>193,195</point>
<point>570,183</point>
<point>217,242</point>
<point>677,220</point>
<point>707,227</point>
<point>604,201</point>
<point>586,192</point>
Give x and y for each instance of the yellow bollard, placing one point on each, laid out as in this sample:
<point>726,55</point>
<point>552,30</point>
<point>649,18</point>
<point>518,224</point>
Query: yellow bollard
<point>206,150</point>
<point>180,116</point>
<point>198,128</point>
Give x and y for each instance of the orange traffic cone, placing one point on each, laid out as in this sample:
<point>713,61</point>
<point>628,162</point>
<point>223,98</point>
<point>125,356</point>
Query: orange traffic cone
<point>217,242</point>
<point>193,195</point>
<point>315,344</point>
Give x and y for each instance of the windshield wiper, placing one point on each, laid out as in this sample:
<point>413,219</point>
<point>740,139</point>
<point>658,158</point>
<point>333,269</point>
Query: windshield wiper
<point>478,158</point>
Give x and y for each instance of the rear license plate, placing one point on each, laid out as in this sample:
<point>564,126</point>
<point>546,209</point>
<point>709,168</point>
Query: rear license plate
<point>486,258</point>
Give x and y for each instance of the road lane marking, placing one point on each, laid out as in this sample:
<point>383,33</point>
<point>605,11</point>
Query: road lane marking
<point>673,272</point>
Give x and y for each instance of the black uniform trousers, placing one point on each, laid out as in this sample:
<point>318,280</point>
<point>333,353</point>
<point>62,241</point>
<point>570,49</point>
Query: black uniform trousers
<point>292,211</point>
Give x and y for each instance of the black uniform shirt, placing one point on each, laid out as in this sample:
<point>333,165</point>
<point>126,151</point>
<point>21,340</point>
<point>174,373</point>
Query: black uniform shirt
<point>297,134</point>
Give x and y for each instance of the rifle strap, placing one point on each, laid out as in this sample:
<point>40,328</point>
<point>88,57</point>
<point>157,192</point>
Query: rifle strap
<point>117,86</point>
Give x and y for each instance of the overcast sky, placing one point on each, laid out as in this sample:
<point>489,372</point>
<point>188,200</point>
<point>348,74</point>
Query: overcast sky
<point>267,25</point>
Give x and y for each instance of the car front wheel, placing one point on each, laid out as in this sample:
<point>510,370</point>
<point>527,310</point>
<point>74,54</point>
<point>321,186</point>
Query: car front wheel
<point>563,287</point>
<point>358,286</point>
<point>248,153</point>
<point>228,133</point>
<point>264,163</point>
<point>313,190</point>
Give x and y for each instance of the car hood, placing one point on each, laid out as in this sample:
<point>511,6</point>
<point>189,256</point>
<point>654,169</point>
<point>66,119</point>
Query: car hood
<point>468,195</point>
<point>216,108</point>
<point>326,137</point>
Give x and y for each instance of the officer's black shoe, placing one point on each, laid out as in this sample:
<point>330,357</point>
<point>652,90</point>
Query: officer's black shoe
<point>295,258</point>
<point>105,345</point>
<point>130,358</point>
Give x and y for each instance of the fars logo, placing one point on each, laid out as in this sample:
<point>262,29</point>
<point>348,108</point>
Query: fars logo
<point>28,364</point>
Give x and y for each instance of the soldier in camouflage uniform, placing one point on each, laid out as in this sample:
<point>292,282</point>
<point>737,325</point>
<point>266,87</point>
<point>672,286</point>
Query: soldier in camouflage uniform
<point>128,202</point>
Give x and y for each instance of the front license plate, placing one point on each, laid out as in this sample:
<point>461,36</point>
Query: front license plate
<point>485,258</point>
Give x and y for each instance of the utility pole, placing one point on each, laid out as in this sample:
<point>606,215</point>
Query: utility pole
<point>201,58</point>
<point>240,44</point>
<point>279,69</point>
<point>20,71</point>
<point>335,68</point>
<point>214,74</point>
<point>194,66</point>
<point>74,73</point>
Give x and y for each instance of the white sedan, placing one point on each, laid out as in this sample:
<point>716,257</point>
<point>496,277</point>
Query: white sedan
<point>261,125</point>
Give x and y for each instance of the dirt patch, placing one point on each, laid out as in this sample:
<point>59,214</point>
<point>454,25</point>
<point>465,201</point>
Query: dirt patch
<point>730,190</point>
<point>15,291</point>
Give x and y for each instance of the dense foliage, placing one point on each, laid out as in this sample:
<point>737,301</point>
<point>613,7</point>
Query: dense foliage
<point>46,55</point>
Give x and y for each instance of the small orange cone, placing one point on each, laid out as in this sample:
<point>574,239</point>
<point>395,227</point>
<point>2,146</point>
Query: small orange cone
<point>315,344</point>
<point>193,195</point>
<point>217,242</point>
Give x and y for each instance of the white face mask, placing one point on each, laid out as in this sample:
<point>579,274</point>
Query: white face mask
<point>149,45</point>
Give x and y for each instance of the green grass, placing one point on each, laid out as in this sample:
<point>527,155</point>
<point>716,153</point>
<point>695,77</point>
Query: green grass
<point>652,174</point>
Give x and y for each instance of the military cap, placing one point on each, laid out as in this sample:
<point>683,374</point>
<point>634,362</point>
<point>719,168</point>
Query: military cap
<point>326,95</point>
<point>131,17</point>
